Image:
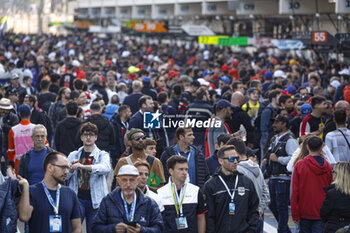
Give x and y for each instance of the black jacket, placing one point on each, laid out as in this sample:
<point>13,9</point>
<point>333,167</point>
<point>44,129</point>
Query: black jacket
<point>65,135</point>
<point>101,91</point>
<point>239,117</point>
<point>201,165</point>
<point>23,163</point>
<point>335,209</point>
<point>9,197</point>
<point>119,132</point>
<point>246,200</point>
<point>8,122</point>
<point>105,140</point>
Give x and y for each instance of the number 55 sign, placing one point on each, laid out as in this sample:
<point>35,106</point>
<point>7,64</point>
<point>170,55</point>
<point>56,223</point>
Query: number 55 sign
<point>319,37</point>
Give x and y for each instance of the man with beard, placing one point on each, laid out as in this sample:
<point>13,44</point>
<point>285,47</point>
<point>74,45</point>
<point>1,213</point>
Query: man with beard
<point>127,209</point>
<point>280,151</point>
<point>223,111</point>
<point>136,141</point>
<point>48,205</point>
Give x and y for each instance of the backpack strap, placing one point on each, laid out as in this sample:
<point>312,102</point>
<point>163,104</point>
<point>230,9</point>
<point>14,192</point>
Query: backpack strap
<point>344,137</point>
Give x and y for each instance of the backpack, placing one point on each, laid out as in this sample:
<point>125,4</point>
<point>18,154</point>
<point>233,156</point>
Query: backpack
<point>346,93</point>
<point>257,121</point>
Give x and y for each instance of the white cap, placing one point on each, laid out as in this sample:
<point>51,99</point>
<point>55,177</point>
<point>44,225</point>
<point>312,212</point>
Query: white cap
<point>202,82</point>
<point>27,73</point>
<point>128,170</point>
<point>335,84</point>
<point>345,72</point>
<point>125,53</point>
<point>279,74</point>
<point>76,63</point>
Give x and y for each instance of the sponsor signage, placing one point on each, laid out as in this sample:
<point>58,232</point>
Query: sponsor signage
<point>149,27</point>
<point>197,30</point>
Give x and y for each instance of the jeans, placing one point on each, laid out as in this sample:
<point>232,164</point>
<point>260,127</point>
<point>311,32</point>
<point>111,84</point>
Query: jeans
<point>86,210</point>
<point>311,226</point>
<point>279,194</point>
<point>260,225</point>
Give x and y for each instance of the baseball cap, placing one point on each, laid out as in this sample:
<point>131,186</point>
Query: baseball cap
<point>251,90</point>
<point>291,89</point>
<point>251,152</point>
<point>207,72</point>
<point>335,84</point>
<point>133,131</point>
<point>279,74</point>
<point>221,104</point>
<point>146,80</point>
<point>225,79</point>
<point>345,72</point>
<point>305,110</point>
<point>75,63</point>
<point>268,75</point>
<point>173,73</point>
<point>281,119</point>
<point>14,76</point>
<point>128,170</point>
<point>24,109</point>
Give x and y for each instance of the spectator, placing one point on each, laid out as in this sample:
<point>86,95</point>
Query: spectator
<point>87,175</point>
<point>335,207</point>
<point>190,214</point>
<point>105,140</point>
<point>112,216</point>
<point>338,141</point>
<point>307,194</point>
<point>67,129</point>
<point>37,201</point>
<point>198,172</point>
<point>133,99</point>
<point>228,212</point>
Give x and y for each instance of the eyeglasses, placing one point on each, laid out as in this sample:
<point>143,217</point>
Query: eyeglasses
<point>88,135</point>
<point>232,158</point>
<point>137,138</point>
<point>63,167</point>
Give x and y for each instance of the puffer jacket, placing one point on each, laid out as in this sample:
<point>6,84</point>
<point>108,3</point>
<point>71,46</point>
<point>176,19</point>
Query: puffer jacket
<point>9,196</point>
<point>105,139</point>
<point>112,212</point>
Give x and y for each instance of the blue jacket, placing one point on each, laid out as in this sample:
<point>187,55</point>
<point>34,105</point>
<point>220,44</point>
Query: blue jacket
<point>9,194</point>
<point>100,168</point>
<point>112,212</point>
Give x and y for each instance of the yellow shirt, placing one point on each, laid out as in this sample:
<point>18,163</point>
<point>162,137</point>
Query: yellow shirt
<point>253,109</point>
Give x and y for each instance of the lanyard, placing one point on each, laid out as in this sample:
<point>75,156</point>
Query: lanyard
<point>178,207</point>
<point>228,190</point>
<point>54,205</point>
<point>178,152</point>
<point>129,216</point>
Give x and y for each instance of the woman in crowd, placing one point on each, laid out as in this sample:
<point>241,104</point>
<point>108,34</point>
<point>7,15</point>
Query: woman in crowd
<point>335,210</point>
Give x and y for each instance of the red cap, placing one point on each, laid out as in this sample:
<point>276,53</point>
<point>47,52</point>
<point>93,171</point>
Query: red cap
<point>149,50</point>
<point>235,63</point>
<point>108,63</point>
<point>173,73</point>
<point>262,72</point>
<point>103,78</point>
<point>234,73</point>
<point>254,78</point>
<point>81,75</point>
<point>224,68</point>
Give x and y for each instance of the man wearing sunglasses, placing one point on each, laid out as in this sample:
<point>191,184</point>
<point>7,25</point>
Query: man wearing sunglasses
<point>87,176</point>
<point>231,197</point>
<point>136,140</point>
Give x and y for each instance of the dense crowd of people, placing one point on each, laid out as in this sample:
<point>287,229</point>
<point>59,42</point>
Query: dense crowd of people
<point>138,137</point>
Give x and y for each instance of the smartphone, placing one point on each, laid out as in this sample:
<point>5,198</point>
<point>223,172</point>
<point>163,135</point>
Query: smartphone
<point>133,224</point>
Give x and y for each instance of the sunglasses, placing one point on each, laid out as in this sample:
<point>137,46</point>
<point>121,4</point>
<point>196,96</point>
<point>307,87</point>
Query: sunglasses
<point>137,138</point>
<point>232,158</point>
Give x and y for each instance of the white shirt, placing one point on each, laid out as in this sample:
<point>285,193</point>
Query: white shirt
<point>155,197</point>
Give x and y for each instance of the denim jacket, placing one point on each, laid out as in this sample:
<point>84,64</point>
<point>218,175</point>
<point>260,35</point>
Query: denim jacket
<point>100,168</point>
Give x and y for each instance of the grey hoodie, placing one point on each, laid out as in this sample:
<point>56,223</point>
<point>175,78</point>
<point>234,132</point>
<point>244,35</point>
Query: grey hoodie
<point>253,172</point>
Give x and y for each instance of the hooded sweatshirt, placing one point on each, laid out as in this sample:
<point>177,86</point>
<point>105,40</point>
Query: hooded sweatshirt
<point>308,183</point>
<point>253,172</point>
<point>65,135</point>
